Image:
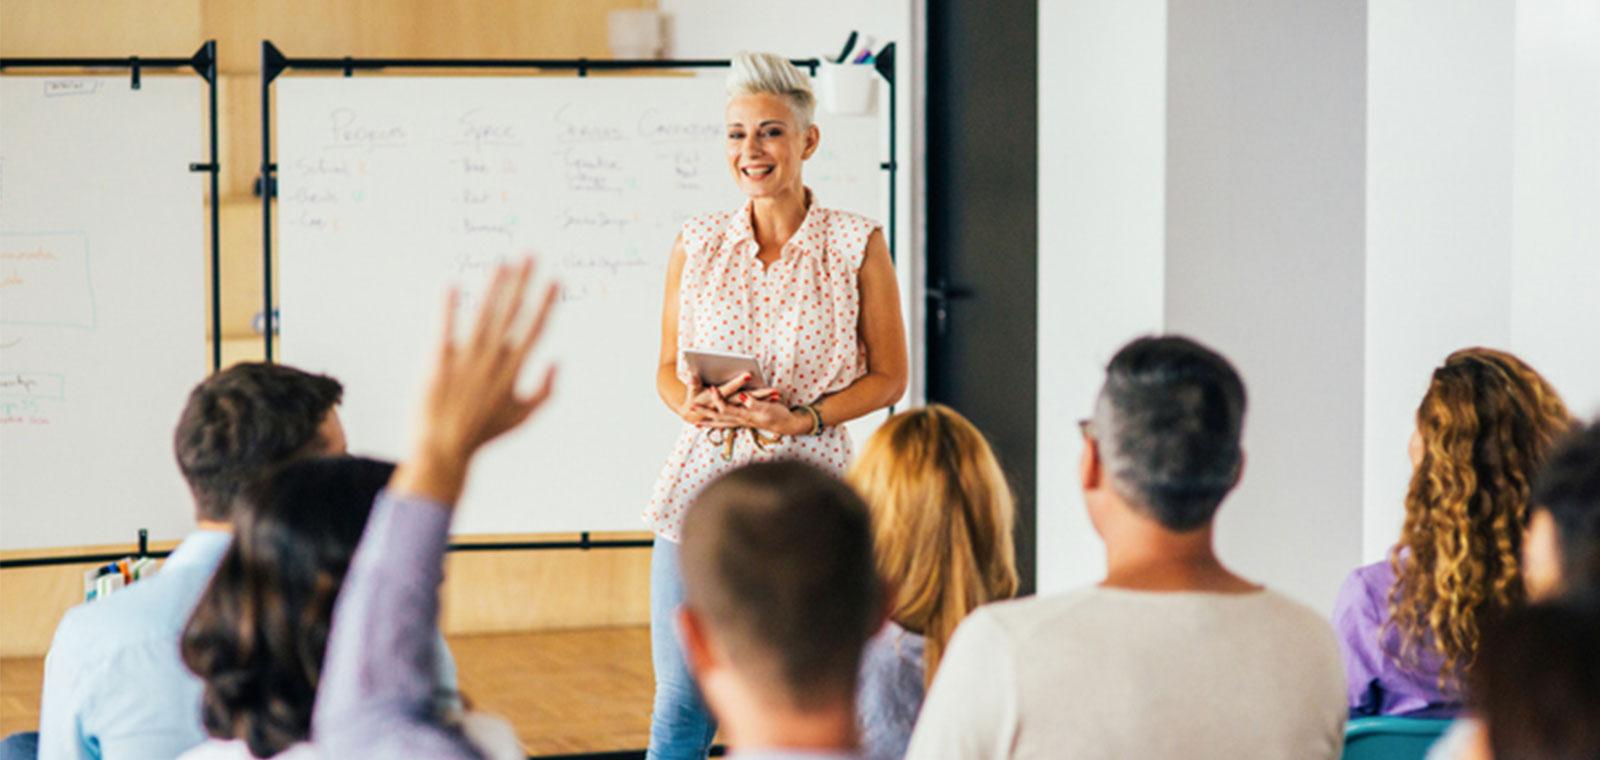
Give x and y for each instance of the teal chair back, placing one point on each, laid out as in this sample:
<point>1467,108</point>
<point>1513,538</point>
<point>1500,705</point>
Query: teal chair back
<point>1386,738</point>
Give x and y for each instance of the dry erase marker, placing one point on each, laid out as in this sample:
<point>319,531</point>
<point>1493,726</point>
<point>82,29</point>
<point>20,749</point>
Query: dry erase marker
<point>849,45</point>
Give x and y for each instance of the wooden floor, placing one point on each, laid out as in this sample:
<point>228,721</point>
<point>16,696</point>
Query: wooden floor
<point>565,692</point>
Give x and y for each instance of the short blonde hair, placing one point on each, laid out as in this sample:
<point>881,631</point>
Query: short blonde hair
<point>772,74</point>
<point>941,522</point>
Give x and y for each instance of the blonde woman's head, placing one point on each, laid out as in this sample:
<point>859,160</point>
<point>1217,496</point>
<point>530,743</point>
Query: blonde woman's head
<point>772,74</point>
<point>941,521</point>
<point>769,125</point>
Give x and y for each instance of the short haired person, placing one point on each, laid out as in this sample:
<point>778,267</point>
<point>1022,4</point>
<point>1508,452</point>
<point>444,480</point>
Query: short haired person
<point>782,595</point>
<point>1409,624</point>
<point>807,290</point>
<point>1172,654</point>
<point>942,516</point>
<point>114,684</point>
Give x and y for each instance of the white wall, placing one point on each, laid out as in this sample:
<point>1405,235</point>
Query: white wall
<point>1438,218</point>
<point>1555,273</point>
<point>1102,169</point>
<point>1264,262</point>
<point>1484,201</point>
<point>1336,274</point>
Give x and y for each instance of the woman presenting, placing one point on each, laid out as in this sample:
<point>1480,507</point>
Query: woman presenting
<point>810,293</point>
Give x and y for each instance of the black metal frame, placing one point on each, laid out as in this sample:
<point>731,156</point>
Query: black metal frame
<point>204,63</point>
<point>274,63</point>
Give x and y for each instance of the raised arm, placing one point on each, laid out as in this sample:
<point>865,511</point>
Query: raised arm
<point>375,695</point>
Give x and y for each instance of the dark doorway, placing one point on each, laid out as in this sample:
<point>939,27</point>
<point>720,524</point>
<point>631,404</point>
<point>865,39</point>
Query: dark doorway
<point>982,138</point>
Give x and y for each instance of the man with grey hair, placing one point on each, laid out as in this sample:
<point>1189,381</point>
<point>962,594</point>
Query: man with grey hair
<point>1172,654</point>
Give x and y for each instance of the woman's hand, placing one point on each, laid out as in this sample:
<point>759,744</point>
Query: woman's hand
<point>701,403</point>
<point>471,396</point>
<point>762,410</point>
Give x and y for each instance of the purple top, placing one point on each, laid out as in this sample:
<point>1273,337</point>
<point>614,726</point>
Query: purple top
<point>376,693</point>
<point>1374,683</point>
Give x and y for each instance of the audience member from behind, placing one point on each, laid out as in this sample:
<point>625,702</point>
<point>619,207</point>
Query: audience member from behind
<point>114,685</point>
<point>1171,655</point>
<point>782,596</point>
<point>1560,561</point>
<point>1410,625</point>
<point>941,524</point>
<point>1537,686</point>
<point>258,634</point>
<point>1561,553</point>
<point>260,631</point>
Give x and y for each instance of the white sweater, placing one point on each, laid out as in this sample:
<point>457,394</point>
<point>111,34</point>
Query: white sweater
<point>1108,673</point>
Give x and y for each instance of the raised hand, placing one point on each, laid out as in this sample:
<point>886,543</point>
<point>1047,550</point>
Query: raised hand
<point>471,395</point>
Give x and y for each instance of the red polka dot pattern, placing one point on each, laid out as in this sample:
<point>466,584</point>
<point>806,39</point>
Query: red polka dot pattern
<point>797,315</point>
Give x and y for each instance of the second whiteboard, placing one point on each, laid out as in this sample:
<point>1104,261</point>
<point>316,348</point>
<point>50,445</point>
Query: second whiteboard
<point>391,188</point>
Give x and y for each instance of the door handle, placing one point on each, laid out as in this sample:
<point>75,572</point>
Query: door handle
<point>939,296</point>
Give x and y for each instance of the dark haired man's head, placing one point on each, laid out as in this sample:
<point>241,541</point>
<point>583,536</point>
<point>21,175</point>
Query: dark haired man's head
<point>1166,430</point>
<point>782,593</point>
<point>1561,555</point>
<point>257,636</point>
<point>247,419</point>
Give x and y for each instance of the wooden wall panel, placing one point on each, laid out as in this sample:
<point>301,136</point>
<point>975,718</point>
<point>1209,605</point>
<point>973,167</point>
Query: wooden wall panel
<point>35,598</point>
<point>483,592</point>
<point>241,267</point>
<point>59,28</point>
<point>411,28</point>
<point>540,590</point>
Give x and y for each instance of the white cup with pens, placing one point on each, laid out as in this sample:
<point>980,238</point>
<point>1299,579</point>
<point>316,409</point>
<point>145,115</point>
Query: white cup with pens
<point>848,82</point>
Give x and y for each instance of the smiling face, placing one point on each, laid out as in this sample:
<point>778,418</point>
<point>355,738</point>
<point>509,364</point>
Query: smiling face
<point>766,146</point>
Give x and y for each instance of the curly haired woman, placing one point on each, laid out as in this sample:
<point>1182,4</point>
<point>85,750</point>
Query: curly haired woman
<point>1409,626</point>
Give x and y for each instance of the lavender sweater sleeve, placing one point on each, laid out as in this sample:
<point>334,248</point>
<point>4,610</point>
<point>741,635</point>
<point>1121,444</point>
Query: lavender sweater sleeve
<point>375,698</point>
<point>1358,621</point>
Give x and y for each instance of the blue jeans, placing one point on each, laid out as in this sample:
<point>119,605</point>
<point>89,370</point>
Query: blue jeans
<point>23,746</point>
<point>681,727</point>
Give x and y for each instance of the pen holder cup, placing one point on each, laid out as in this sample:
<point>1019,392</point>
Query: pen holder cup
<point>847,89</point>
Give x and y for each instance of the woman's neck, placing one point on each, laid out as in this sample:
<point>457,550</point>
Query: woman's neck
<point>776,218</point>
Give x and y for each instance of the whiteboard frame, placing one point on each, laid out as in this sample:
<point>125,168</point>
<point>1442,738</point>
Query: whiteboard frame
<point>275,63</point>
<point>203,63</point>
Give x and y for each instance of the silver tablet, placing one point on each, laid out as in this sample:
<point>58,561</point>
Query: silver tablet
<point>718,367</point>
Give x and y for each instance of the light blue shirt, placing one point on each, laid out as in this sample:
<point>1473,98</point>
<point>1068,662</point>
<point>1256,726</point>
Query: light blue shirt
<point>115,685</point>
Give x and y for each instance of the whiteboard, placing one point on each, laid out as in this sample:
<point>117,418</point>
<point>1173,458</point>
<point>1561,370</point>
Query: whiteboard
<point>102,305</point>
<point>391,188</point>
